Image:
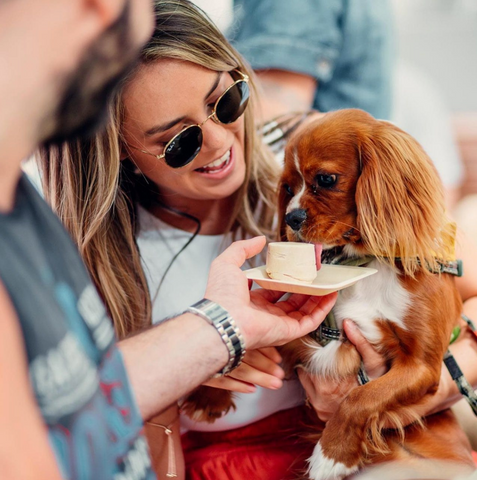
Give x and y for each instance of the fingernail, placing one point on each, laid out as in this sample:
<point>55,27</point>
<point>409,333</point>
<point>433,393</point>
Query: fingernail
<point>350,324</point>
<point>251,389</point>
<point>275,384</point>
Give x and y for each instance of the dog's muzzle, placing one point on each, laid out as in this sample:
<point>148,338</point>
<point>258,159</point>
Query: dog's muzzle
<point>295,218</point>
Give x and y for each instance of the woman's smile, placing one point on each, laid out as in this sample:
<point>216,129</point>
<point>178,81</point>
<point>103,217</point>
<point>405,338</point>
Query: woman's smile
<point>218,168</point>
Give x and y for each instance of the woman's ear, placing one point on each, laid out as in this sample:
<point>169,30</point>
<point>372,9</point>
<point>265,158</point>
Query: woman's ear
<point>282,205</point>
<point>123,152</point>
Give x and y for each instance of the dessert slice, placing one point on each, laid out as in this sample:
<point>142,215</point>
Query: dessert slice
<point>291,261</point>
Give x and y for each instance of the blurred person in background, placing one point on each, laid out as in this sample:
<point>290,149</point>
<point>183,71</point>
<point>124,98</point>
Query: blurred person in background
<point>320,54</point>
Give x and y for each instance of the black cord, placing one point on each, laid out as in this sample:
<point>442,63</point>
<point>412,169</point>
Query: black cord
<point>174,258</point>
<point>139,189</point>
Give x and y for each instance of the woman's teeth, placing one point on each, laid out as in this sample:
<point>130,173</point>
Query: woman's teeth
<point>216,165</point>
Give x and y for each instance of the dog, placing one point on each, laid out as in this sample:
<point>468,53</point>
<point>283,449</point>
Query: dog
<point>364,189</point>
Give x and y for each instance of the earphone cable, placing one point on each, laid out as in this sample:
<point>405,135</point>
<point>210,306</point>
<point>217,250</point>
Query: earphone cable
<point>189,241</point>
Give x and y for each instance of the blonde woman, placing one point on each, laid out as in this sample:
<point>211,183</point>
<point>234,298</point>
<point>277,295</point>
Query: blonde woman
<point>180,172</point>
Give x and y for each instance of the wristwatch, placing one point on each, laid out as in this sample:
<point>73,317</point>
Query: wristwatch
<point>230,333</point>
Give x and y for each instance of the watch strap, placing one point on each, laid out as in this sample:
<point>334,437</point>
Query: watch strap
<point>217,316</point>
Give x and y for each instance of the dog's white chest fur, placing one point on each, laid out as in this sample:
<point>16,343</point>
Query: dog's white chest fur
<point>377,297</point>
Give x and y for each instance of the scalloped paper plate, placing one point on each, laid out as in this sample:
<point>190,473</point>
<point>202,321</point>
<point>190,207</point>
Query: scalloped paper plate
<point>330,278</point>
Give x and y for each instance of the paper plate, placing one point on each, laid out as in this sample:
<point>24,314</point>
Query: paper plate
<point>330,278</point>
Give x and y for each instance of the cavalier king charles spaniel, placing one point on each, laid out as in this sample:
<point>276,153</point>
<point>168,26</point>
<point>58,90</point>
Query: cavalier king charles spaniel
<point>369,195</point>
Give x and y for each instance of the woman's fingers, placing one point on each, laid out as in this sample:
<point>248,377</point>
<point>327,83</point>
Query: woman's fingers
<point>244,380</point>
<point>249,374</point>
<point>374,362</point>
<point>325,395</point>
<point>265,360</point>
<point>271,353</point>
<point>228,383</point>
<point>259,367</point>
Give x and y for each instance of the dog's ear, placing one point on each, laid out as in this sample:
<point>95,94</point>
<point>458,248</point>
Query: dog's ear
<point>399,199</point>
<point>282,206</point>
<point>283,196</point>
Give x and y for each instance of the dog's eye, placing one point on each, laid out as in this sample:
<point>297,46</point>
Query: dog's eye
<point>288,189</point>
<point>326,181</point>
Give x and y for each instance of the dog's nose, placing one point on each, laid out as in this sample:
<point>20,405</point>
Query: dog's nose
<point>295,218</point>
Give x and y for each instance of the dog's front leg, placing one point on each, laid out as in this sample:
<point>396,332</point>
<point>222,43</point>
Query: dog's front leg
<point>355,430</point>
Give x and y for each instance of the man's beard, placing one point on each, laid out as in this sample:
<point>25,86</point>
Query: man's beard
<point>84,102</point>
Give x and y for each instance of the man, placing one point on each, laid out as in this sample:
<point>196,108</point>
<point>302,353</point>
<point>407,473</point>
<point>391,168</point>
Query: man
<point>67,407</point>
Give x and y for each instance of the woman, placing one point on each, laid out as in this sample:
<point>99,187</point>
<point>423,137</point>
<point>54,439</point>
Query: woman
<point>178,174</point>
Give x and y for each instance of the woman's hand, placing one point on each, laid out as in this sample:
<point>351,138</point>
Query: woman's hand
<point>325,396</point>
<point>259,367</point>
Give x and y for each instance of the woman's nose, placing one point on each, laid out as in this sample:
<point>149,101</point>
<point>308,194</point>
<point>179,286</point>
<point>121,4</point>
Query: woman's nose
<point>214,136</point>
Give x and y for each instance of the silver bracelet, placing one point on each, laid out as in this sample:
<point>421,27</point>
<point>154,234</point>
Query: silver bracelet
<point>227,328</point>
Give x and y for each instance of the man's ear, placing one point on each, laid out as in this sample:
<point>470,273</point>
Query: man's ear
<point>105,11</point>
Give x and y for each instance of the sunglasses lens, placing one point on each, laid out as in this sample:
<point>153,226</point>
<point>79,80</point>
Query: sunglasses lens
<point>184,147</point>
<point>233,103</point>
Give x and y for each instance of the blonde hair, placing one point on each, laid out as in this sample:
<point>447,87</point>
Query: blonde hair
<point>95,194</point>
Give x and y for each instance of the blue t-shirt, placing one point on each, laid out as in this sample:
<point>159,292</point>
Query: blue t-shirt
<point>347,45</point>
<point>76,371</point>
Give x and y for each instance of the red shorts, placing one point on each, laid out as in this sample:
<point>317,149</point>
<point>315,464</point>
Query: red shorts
<point>270,449</point>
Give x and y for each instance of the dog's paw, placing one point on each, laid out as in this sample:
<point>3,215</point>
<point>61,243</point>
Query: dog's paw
<point>207,404</point>
<point>207,414</point>
<point>323,468</point>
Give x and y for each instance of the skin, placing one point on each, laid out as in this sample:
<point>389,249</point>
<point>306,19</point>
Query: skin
<point>23,424</point>
<point>256,312</point>
<point>285,91</point>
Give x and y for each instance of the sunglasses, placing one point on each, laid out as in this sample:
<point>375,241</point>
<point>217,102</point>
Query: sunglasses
<point>182,148</point>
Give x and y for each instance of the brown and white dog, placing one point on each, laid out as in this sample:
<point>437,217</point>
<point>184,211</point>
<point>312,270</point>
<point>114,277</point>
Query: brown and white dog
<point>363,187</point>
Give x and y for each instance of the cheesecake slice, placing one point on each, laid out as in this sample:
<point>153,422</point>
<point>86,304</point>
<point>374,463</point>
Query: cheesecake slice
<point>291,261</point>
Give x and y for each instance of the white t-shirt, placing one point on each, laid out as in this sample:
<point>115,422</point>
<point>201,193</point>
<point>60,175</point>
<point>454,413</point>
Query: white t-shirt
<point>184,285</point>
